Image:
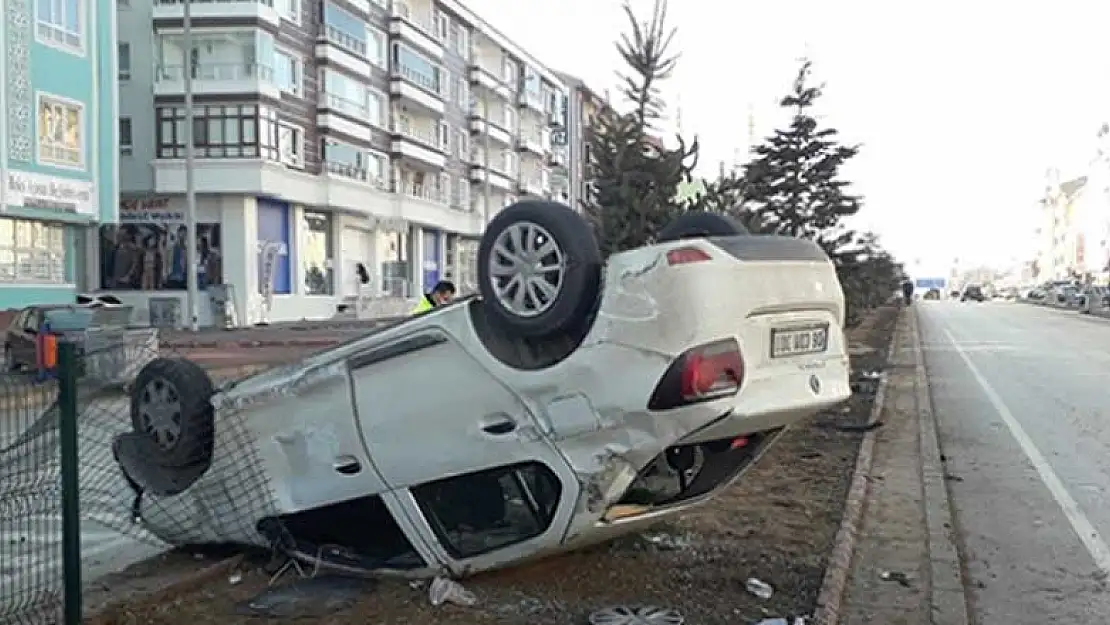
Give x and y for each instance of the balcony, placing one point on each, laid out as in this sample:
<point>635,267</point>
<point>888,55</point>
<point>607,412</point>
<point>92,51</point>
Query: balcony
<point>479,127</point>
<point>343,115</point>
<point>417,88</point>
<point>419,146</point>
<point>341,49</point>
<point>557,158</point>
<point>534,186</point>
<point>208,10</point>
<point>534,141</point>
<point>217,79</point>
<point>349,171</point>
<point>497,179</point>
<point>422,191</point>
<point>533,101</point>
<point>415,27</point>
<point>490,80</point>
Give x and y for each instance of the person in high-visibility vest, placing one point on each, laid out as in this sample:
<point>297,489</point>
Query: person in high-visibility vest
<point>442,293</point>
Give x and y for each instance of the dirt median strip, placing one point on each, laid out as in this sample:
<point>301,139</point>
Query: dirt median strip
<point>778,524</point>
<point>831,595</point>
<point>113,610</point>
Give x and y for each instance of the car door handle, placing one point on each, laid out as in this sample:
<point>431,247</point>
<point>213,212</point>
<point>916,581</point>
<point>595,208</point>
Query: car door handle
<point>347,465</point>
<point>499,426</point>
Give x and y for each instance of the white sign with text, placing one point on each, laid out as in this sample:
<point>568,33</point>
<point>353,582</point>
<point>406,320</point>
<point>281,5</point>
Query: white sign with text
<point>50,193</point>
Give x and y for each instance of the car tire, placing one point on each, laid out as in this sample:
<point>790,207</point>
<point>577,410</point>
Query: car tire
<point>700,224</point>
<point>171,404</point>
<point>548,232</point>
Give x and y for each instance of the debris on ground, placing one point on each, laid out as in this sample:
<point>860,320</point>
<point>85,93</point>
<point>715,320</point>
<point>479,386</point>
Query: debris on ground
<point>445,590</point>
<point>896,576</point>
<point>797,620</point>
<point>759,588</point>
<point>639,615</point>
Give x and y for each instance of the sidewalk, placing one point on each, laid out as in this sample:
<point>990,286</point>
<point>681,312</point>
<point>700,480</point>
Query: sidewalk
<point>906,569</point>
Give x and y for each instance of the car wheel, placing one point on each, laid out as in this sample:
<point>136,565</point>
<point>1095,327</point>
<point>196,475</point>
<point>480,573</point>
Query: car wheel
<point>699,224</point>
<point>539,269</point>
<point>171,404</point>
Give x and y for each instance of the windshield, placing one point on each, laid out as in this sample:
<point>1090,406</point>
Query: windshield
<point>69,319</point>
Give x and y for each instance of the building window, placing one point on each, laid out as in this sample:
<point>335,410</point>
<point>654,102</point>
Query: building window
<point>219,131</point>
<point>32,251</point>
<point>464,194</point>
<point>442,26</point>
<point>462,144</point>
<point>125,135</point>
<point>289,72</point>
<point>289,9</point>
<point>444,136</point>
<point>291,144</point>
<point>315,253</point>
<point>375,47</point>
<point>124,62</point>
<point>61,24</point>
<point>460,40</point>
<point>344,159</point>
<point>376,112</point>
<point>463,96</point>
<point>345,30</point>
<point>61,132</point>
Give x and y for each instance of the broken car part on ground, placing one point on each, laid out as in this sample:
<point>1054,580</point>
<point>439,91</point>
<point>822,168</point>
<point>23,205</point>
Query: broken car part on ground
<point>572,402</point>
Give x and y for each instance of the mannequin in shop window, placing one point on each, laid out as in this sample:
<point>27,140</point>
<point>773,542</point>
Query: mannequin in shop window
<point>176,278</point>
<point>126,262</point>
<point>151,264</point>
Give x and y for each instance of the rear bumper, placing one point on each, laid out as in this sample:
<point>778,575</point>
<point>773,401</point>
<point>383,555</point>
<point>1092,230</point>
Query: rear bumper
<point>778,399</point>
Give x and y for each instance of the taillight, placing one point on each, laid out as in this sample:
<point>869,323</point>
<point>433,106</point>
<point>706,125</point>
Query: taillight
<point>703,373</point>
<point>687,255</point>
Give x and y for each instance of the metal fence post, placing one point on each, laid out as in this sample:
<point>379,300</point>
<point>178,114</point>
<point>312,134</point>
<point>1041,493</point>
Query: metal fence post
<point>68,371</point>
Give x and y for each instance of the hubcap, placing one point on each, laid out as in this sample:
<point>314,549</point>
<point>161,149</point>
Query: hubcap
<point>527,269</point>
<point>160,412</point>
<point>646,615</point>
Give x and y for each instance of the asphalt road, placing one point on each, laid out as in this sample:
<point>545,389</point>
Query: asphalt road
<point>1022,397</point>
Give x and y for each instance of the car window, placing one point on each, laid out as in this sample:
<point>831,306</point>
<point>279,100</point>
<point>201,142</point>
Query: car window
<point>31,323</point>
<point>69,319</point>
<point>479,512</point>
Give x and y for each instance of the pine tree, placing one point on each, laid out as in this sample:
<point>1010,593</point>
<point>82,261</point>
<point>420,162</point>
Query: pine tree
<point>634,182</point>
<point>793,184</point>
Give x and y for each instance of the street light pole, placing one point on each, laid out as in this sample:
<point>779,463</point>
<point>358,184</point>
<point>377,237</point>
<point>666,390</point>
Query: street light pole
<point>192,298</point>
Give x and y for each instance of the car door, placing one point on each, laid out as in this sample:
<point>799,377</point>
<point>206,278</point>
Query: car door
<point>461,451</point>
<point>23,337</point>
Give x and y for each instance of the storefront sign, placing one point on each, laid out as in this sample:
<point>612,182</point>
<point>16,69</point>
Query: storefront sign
<point>49,193</point>
<point>155,210</point>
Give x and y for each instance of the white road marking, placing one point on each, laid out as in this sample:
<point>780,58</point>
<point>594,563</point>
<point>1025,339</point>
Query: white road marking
<point>1082,526</point>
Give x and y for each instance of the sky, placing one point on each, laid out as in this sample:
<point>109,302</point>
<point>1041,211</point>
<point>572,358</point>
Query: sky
<point>959,108</point>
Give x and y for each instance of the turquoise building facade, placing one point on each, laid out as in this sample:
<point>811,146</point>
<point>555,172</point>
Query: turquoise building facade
<point>59,154</point>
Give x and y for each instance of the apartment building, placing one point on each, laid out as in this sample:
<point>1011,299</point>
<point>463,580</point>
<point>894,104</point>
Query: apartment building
<point>328,135</point>
<point>58,158</point>
<point>583,105</point>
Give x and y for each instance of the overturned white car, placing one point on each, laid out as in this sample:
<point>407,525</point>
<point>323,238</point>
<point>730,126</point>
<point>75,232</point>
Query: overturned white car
<point>569,403</point>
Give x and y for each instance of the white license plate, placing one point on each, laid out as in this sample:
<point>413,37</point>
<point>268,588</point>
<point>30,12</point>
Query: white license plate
<point>797,341</point>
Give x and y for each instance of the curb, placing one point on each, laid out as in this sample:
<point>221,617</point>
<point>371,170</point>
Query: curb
<point>835,582</point>
<point>948,601</point>
<point>109,614</point>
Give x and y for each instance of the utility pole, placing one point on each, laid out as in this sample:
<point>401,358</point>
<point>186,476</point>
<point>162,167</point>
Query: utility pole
<point>192,298</point>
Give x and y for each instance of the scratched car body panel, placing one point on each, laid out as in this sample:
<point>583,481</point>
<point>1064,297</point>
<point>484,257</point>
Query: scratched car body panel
<point>415,450</point>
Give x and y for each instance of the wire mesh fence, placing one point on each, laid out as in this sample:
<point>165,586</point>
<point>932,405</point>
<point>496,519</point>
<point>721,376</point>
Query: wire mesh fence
<point>140,426</point>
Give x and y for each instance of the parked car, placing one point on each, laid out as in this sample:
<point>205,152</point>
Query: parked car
<point>571,401</point>
<point>972,293</point>
<point>932,294</point>
<point>112,353</point>
<point>1092,297</point>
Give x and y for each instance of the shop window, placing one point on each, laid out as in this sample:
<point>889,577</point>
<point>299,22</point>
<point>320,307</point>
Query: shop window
<point>151,256</point>
<point>32,252</point>
<point>316,253</point>
<point>479,512</point>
